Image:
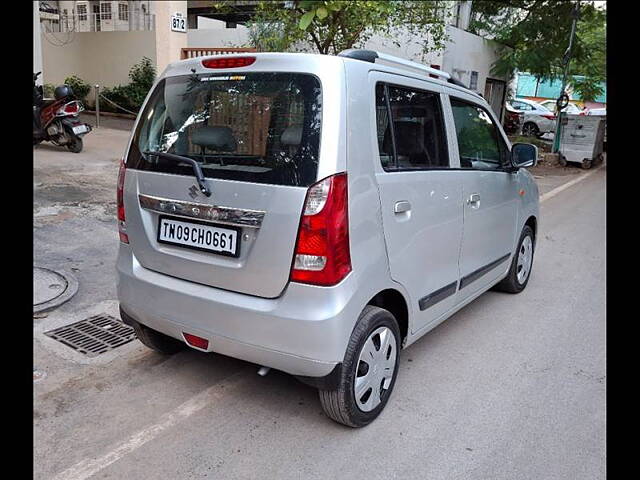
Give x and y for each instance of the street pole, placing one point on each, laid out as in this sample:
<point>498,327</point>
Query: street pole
<point>97,106</point>
<point>566,59</point>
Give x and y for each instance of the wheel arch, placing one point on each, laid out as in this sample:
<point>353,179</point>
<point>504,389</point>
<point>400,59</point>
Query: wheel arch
<point>392,300</point>
<point>532,222</point>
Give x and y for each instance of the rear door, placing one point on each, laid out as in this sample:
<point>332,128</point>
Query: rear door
<point>256,138</point>
<point>420,194</point>
<point>490,196</point>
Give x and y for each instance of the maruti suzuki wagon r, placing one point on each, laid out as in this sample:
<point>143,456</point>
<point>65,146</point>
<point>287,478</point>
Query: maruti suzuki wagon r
<point>316,214</point>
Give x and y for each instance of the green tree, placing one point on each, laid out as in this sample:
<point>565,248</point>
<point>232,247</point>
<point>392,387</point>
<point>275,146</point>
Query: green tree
<point>331,26</point>
<point>538,33</point>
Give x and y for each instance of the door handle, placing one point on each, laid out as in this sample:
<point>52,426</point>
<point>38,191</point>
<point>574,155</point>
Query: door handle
<point>474,200</point>
<point>401,207</point>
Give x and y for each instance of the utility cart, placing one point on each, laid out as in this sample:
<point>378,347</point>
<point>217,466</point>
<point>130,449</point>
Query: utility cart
<point>582,139</point>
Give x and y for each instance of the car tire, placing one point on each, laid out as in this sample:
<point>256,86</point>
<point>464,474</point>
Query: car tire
<point>341,404</point>
<point>586,164</point>
<point>530,129</point>
<point>562,160</point>
<point>523,257</point>
<point>157,341</point>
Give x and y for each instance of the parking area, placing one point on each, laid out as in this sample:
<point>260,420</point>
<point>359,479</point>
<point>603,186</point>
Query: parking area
<point>509,387</point>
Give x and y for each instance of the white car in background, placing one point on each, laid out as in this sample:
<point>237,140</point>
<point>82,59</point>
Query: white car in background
<point>572,108</point>
<point>602,112</point>
<point>538,119</point>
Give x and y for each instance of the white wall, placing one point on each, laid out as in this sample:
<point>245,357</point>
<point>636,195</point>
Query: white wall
<point>37,45</point>
<point>168,43</point>
<point>466,52</point>
<point>97,57</point>
<point>409,48</point>
<point>213,33</point>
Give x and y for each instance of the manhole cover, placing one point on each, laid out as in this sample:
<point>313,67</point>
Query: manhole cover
<point>94,335</point>
<point>51,288</point>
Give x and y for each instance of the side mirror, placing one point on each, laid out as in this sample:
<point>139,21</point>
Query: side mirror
<point>524,155</point>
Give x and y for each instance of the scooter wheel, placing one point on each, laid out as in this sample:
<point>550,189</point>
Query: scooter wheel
<point>75,144</point>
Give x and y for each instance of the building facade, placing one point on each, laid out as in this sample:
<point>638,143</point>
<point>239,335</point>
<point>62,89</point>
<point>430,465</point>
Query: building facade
<point>98,15</point>
<point>466,56</point>
<point>99,41</point>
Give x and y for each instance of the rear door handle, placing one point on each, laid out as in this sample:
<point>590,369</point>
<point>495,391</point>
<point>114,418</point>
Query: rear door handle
<point>474,200</point>
<point>401,207</point>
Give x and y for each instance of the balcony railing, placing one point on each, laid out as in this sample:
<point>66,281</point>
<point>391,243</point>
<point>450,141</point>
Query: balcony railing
<point>100,22</point>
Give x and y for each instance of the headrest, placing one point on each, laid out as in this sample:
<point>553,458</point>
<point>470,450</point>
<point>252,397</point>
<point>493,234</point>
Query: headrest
<point>408,138</point>
<point>215,138</point>
<point>292,135</point>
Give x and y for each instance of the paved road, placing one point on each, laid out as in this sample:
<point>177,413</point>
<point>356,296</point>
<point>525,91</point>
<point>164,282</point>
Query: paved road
<point>511,387</point>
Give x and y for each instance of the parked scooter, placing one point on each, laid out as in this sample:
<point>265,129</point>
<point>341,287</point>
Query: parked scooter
<point>56,119</point>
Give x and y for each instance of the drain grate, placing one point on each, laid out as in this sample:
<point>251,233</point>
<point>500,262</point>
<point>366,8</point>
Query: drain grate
<point>94,335</point>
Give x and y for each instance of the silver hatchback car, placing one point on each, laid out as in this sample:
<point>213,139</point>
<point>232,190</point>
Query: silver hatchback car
<point>317,214</point>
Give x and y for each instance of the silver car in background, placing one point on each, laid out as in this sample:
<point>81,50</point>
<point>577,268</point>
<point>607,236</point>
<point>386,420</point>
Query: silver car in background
<point>317,214</point>
<point>538,119</point>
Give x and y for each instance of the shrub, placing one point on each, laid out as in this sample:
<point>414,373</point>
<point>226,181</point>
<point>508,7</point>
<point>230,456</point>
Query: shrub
<point>131,96</point>
<point>80,88</point>
<point>48,89</point>
<point>120,95</point>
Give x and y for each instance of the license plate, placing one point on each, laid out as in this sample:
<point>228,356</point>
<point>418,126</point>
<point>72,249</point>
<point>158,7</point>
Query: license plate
<point>199,236</point>
<point>80,129</point>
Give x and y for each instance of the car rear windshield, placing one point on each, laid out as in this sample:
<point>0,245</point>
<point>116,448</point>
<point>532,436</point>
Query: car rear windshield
<point>253,127</point>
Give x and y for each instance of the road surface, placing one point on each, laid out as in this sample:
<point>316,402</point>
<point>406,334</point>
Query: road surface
<point>511,387</point>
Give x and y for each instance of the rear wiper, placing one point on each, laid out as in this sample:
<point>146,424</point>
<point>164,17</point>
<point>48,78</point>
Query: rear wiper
<point>196,168</point>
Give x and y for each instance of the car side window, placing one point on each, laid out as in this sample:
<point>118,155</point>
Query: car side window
<point>414,138</point>
<point>382,123</point>
<point>479,142</point>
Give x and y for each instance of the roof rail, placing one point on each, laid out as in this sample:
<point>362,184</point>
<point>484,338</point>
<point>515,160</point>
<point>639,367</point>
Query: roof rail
<point>372,55</point>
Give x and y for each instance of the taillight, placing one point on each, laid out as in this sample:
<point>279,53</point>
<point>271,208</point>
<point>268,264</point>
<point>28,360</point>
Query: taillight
<point>122,226</point>
<point>228,62</point>
<point>322,255</point>
<point>71,108</point>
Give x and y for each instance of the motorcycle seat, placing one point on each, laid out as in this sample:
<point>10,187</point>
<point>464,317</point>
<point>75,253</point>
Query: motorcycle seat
<point>47,101</point>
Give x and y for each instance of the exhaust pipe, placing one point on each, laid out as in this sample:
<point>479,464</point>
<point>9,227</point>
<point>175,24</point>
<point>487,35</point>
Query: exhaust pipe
<point>262,371</point>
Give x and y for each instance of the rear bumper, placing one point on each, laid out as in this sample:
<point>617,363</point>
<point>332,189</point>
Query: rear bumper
<point>303,332</point>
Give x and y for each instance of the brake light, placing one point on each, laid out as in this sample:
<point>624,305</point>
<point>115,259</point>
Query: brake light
<point>71,108</point>
<point>122,226</point>
<point>228,62</point>
<point>322,255</point>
